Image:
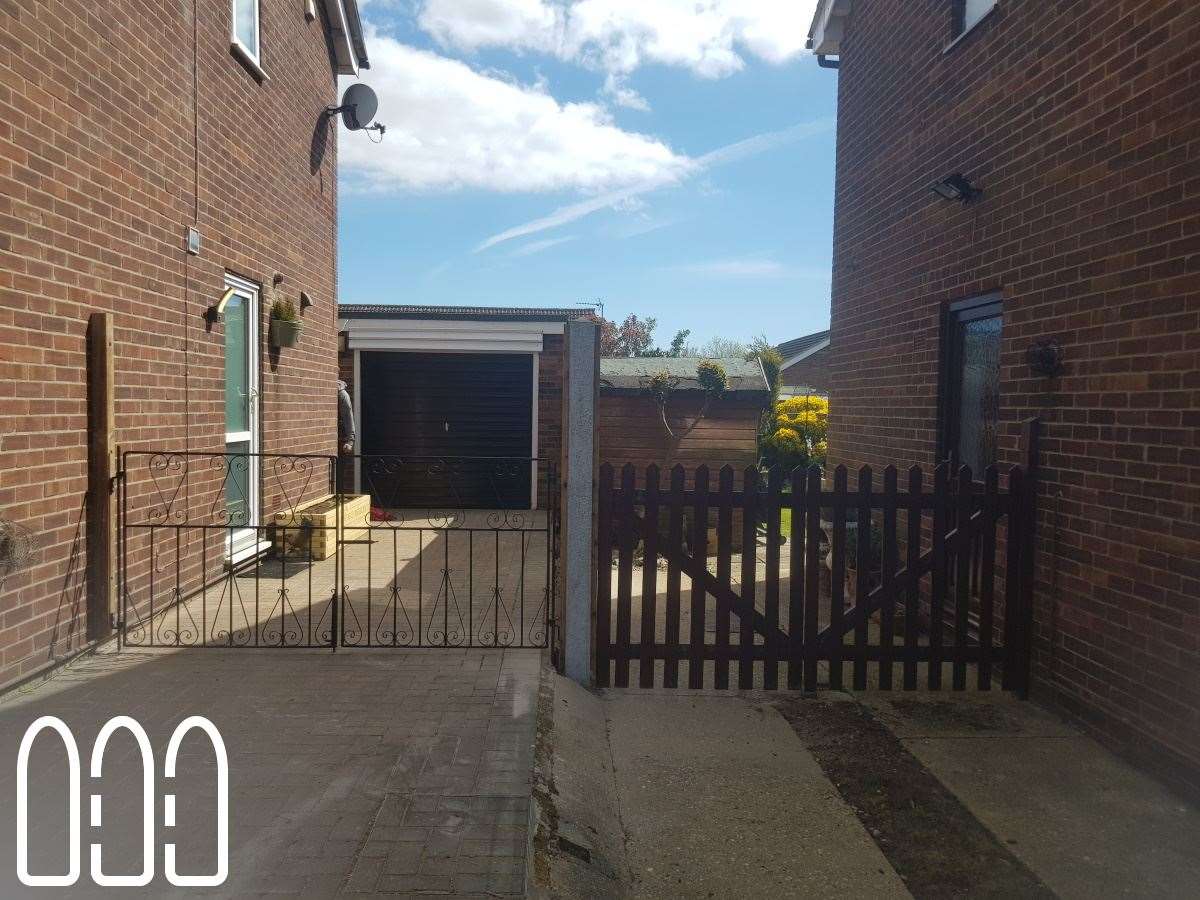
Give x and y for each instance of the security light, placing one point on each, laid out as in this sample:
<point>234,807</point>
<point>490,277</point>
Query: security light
<point>216,312</point>
<point>956,187</point>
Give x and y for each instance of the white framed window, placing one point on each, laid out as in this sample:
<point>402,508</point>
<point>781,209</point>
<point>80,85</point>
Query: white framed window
<point>969,13</point>
<point>246,35</point>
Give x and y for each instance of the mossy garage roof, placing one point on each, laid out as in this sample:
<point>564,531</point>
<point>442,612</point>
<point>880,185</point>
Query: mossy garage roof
<point>633,374</point>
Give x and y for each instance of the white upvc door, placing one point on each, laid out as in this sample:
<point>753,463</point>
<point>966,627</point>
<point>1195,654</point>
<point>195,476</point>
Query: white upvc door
<point>241,419</point>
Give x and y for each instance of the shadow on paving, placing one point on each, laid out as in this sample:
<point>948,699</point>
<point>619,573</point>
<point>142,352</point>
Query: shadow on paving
<point>401,588</point>
<point>355,772</point>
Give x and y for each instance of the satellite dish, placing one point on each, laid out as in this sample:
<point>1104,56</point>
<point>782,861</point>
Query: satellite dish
<point>359,105</point>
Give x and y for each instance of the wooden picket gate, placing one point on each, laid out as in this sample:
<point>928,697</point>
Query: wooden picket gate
<point>939,585</point>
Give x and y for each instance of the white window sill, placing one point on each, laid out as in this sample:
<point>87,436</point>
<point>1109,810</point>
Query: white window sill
<point>244,554</point>
<point>240,50</point>
<point>966,31</point>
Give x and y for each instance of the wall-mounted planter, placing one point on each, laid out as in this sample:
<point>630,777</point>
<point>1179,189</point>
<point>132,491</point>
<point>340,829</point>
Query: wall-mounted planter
<point>284,333</point>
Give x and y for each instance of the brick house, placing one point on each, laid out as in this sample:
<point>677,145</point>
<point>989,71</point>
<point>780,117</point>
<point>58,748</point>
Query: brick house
<point>805,368</point>
<point>124,126</point>
<point>1052,271</point>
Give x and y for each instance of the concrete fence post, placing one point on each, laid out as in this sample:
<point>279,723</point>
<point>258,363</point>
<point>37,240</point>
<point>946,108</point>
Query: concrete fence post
<point>581,453</point>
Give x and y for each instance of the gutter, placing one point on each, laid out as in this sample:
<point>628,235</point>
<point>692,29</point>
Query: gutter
<point>345,26</point>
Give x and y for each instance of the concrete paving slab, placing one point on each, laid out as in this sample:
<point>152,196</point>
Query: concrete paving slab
<point>719,799</point>
<point>1086,823</point>
<point>995,713</point>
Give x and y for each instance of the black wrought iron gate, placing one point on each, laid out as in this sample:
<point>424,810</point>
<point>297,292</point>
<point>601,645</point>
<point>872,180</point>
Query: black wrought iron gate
<point>323,566</point>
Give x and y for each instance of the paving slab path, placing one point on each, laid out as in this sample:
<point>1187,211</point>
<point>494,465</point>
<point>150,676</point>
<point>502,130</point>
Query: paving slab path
<point>355,773</point>
<point>657,793</point>
<point>719,799</point>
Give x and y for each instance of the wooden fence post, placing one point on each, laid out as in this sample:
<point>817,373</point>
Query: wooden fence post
<point>1031,433</point>
<point>101,532</point>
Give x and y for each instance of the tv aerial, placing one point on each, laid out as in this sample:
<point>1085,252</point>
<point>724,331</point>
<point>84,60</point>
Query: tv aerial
<point>358,109</point>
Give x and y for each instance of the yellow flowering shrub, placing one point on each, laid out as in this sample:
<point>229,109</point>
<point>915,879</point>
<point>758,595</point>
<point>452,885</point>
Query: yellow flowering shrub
<point>797,436</point>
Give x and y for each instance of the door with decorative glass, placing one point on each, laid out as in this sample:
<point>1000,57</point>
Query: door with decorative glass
<point>241,418</point>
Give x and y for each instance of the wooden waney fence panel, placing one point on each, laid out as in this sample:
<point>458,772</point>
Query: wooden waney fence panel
<point>860,587</point>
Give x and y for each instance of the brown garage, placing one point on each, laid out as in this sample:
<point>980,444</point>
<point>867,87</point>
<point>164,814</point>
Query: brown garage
<point>721,432</point>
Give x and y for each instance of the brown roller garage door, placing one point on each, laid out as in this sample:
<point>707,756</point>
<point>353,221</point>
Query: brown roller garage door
<point>454,407</point>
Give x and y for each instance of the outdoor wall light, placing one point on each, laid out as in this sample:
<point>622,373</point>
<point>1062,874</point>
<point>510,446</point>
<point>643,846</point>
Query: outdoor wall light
<point>1046,358</point>
<point>216,312</point>
<point>956,187</point>
<point>305,300</point>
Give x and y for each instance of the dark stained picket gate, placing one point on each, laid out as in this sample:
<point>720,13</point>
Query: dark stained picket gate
<point>942,593</point>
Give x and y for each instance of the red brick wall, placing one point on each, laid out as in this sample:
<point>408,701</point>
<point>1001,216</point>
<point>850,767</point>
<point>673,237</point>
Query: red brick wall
<point>812,372</point>
<point>551,372</point>
<point>1080,122</point>
<point>109,148</point>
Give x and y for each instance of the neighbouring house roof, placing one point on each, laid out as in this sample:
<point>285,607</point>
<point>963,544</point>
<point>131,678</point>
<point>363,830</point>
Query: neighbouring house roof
<point>829,21</point>
<point>745,377</point>
<point>346,29</point>
<point>795,350</point>
<point>460,313</point>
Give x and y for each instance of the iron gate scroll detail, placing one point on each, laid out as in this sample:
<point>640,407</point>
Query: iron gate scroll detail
<point>452,575</point>
<point>324,566</point>
<point>200,568</point>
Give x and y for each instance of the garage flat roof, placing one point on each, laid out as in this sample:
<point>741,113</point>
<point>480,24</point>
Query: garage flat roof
<point>461,313</point>
<point>624,375</point>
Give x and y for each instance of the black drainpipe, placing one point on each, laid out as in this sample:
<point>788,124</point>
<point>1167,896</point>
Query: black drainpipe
<point>826,63</point>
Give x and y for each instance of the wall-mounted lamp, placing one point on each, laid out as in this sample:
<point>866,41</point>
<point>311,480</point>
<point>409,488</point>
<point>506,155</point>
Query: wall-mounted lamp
<point>216,312</point>
<point>305,300</point>
<point>956,187</point>
<point>1046,358</point>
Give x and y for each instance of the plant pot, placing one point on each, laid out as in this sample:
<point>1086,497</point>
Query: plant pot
<point>285,333</point>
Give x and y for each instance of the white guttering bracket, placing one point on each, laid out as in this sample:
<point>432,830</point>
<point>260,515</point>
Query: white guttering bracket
<point>828,24</point>
<point>447,336</point>
<point>800,357</point>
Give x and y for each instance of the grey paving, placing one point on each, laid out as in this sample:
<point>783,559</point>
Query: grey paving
<point>356,773</point>
<point>719,799</point>
<point>1087,823</point>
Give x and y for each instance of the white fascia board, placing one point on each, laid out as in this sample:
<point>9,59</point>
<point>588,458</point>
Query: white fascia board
<point>343,47</point>
<point>444,346</point>
<point>828,25</point>
<point>800,357</point>
<point>447,336</point>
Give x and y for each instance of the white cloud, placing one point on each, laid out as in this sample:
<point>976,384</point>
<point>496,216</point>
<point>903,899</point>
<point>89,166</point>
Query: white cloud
<point>709,37</point>
<point>617,89</point>
<point>538,246</point>
<point>735,268</point>
<point>449,126</point>
<point>628,196</point>
<point>750,267</point>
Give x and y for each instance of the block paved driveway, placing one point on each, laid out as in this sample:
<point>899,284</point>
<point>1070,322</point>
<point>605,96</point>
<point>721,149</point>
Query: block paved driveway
<point>364,772</point>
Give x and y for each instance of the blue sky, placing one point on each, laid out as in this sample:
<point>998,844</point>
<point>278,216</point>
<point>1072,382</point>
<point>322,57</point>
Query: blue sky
<point>673,158</point>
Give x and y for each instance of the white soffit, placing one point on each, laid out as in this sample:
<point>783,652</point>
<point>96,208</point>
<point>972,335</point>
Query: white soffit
<point>343,46</point>
<point>825,39</point>
<point>800,357</point>
<point>442,336</point>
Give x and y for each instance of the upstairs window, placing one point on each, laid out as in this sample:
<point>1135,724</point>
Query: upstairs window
<point>245,30</point>
<point>971,382</point>
<point>968,14</point>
